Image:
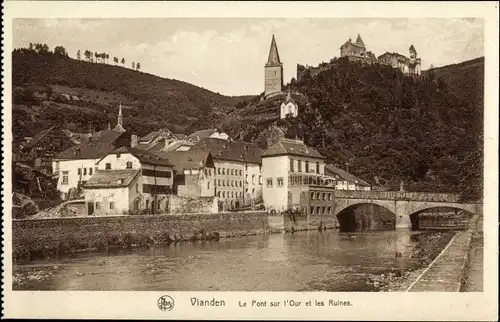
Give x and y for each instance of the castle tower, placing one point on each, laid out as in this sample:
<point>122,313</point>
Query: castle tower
<point>119,124</point>
<point>415,62</point>
<point>273,71</point>
<point>360,42</point>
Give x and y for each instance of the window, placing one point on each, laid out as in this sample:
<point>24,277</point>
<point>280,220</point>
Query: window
<point>158,205</point>
<point>240,173</point>
<point>312,210</point>
<point>269,182</point>
<point>218,183</point>
<point>97,205</point>
<point>299,168</point>
<point>253,178</point>
<point>329,210</point>
<point>84,171</point>
<point>129,165</point>
<point>232,183</point>
<point>223,183</point>
<point>65,177</point>
<point>215,183</point>
<point>253,191</point>
<point>232,172</point>
<point>147,204</point>
<point>223,194</point>
<point>218,194</point>
<point>280,182</point>
<point>232,194</point>
<point>79,171</point>
<point>260,179</point>
<point>108,166</point>
<point>227,181</point>
<point>318,209</point>
<point>111,205</point>
<point>136,187</point>
<point>90,171</point>
<point>317,167</point>
<point>323,210</point>
<point>208,185</point>
<point>223,171</point>
<point>324,196</point>
<point>317,196</point>
<point>329,196</point>
<point>307,166</point>
<point>206,172</point>
<point>241,183</point>
<point>246,178</point>
<point>291,165</point>
<point>312,195</point>
<point>218,170</point>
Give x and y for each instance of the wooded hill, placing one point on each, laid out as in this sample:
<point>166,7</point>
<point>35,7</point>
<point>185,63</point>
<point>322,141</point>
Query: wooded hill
<point>42,84</point>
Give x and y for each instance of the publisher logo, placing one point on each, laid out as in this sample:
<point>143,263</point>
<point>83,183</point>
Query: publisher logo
<point>165,303</point>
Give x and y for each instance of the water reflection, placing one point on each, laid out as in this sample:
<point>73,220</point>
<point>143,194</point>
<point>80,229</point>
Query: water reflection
<point>304,261</point>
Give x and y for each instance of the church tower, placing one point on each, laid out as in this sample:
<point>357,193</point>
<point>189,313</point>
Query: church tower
<point>273,71</point>
<point>119,124</point>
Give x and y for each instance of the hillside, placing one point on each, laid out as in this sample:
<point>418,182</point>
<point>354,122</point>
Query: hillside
<point>52,90</point>
<point>388,127</point>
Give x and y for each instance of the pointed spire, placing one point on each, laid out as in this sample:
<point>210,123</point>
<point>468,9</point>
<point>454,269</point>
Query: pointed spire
<point>359,41</point>
<point>119,124</point>
<point>289,96</point>
<point>274,57</point>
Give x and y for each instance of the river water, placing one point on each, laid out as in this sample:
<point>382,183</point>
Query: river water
<point>304,261</point>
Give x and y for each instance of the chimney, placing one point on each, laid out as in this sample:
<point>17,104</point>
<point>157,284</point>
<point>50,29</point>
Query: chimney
<point>133,141</point>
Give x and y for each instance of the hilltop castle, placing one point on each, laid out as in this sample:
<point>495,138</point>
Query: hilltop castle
<point>357,52</point>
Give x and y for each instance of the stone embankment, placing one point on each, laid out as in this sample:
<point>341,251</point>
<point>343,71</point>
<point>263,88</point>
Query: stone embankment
<point>446,272</point>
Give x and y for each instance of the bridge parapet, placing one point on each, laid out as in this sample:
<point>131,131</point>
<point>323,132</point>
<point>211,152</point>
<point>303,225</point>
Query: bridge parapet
<point>396,195</point>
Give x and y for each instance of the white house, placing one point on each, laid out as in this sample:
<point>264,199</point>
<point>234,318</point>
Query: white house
<point>113,192</point>
<point>345,180</point>
<point>289,106</point>
<point>288,168</point>
<point>156,172</point>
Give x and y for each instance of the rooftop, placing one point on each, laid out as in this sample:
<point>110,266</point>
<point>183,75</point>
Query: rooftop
<point>187,160</point>
<point>239,151</point>
<point>111,179</point>
<point>333,170</point>
<point>292,147</point>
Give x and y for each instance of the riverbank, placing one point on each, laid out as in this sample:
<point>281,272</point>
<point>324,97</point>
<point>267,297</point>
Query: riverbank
<point>48,238</point>
<point>473,275</point>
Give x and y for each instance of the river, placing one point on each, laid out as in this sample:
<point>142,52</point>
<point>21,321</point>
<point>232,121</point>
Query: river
<point>304,261</point>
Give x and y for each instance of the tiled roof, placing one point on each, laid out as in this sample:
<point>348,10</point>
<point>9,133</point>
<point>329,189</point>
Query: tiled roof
<point>186,160</point>
<point>344,175</point>
<point>274,57</point>
<point>292,147</point>
<point>106,136</point>
<point>239,151</point>
<point>111,179</point>
<point>145,157</point>
<point>148,137</point>
<point>91,150</point>
<point>37,137</point>
<point>202,133</point>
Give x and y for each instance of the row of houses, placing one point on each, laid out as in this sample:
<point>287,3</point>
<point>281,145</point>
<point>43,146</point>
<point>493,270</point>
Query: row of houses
<point>119,173</point>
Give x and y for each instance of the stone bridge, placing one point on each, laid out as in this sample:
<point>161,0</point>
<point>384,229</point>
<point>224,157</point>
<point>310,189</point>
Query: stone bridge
<point>403,204</point>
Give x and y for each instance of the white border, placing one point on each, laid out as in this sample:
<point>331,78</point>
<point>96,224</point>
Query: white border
<point>367,306</point>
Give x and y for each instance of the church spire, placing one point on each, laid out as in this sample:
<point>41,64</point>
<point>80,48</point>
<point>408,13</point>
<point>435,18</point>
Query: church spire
<point>119,124</point>
<point>274,57</point>
<point>359,41</point>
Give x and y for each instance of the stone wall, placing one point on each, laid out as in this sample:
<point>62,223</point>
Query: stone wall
<point>299,222</point>
<point>47,237</point>
<point>206,205</point>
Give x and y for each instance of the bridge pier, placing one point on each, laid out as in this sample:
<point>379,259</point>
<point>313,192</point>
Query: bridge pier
<point>403,221</point>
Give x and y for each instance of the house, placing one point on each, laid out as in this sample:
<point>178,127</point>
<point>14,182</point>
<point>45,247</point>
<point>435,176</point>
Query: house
<point>113,192</point>
<point>288,168</point>
<point>40,150</point>
<point>238,172</point>
<point>156,172</point>
<point>76,164</point>
<point>345,180</point>
<point>193,173</point>
<point>289,107</point>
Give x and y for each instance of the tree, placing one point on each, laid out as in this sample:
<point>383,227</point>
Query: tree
<point>78,55</point>
<point>133,65</point>
<point>138,66</point>
<point>123,61</point>
<point>115,59</point>
<point>107,58</point>
<point>60,51</point>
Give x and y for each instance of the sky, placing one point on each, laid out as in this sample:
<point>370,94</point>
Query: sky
<point>227,55</point>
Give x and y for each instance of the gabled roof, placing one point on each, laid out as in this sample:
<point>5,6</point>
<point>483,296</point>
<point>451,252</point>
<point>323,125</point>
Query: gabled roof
<point>292,147</point>
<point>91,150</point>
<point>111,179</point>
<point>118,128</point>
<point>150,136</point>
<point>37,138</point>
<point>145,157</point>
<point>289,98</point>
<point>187,160</point>
<point>344,175</point>
<point>239,151</point>
<point>106,136</point>
<point>274,57</point>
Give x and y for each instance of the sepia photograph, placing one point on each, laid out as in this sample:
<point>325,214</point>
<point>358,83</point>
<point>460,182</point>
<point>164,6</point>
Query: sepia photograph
<point>246,154</point>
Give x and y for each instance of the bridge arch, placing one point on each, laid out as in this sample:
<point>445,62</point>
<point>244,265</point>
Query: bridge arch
<point>365,216</point>
<point>447,216</point>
